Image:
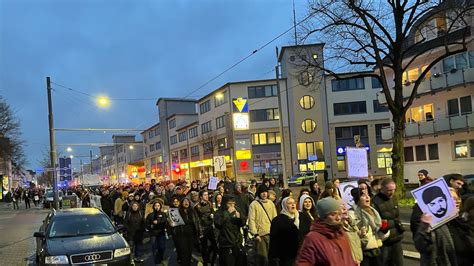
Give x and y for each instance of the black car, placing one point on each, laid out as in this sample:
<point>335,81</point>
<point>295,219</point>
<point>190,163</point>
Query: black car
<point>80,236</point>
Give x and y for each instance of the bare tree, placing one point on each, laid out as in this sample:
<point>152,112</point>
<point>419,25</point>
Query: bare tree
<point>11,144</point>
<point>384,36</point>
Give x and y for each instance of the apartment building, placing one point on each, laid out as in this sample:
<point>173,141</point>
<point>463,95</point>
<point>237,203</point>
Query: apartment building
<point>354,112</point>
<point>153,155</point>
<point>439,133</point>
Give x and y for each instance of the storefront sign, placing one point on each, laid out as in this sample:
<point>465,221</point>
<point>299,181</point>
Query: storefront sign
<point>243,154</point>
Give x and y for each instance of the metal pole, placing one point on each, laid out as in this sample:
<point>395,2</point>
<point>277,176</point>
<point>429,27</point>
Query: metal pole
<point>52,144</point>
<point>282,126</point>
<point>90,154</point>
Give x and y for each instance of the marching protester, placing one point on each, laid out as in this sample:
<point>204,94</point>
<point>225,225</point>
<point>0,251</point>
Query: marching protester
<point>156,224</point>
<point>368,221</point>
<point>186,235</point>
<point>423,177</point>
<point>229,221</point>
<point>118,207</point>
<point>326,243</point>
<point>135,225</point>
<point>207,239</point>
<point>314,190</point>
<point>284,235</point>
<point>330,190</point>
<point>307,215</point>
<point>387,206</point>
<point>261,213</point>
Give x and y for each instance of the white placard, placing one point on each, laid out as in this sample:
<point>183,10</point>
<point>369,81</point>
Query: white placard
<point>95,201</point>
<point>434,198</point>
<point>219,164</point>
<point>356,159</point>
<point>213,183</point>
<point>345,189</point>
<point>175,218</point>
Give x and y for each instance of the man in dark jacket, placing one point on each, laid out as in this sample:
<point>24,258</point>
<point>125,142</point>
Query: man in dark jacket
<point>229,221</point>
<point>205,214</point>
<point>387,206</point>
<point>106,203</point>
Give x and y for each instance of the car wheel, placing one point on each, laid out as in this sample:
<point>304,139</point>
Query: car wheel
<point>302,183</point>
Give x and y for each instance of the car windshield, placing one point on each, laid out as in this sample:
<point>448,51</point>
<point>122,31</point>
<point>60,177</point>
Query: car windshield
<point>81,225</point>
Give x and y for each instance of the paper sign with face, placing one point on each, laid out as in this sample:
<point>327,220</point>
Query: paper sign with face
<point>434,199</point>
<point>345,189</point>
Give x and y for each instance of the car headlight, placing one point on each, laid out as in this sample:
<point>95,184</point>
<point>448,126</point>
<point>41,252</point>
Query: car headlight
<point>121,252</point>
<point>56,260</point>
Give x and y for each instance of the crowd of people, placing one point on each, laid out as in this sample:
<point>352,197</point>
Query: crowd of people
<point>250,223</point>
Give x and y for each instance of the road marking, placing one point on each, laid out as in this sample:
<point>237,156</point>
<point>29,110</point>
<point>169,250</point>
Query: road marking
<point>411,254</point>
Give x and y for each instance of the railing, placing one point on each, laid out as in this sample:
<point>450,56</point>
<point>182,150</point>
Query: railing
<point>464,122</point>
<point>434,83</point>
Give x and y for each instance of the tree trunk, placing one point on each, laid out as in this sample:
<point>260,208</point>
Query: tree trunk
<point>398,155</point>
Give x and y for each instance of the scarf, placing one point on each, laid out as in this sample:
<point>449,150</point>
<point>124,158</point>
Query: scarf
<point>294,217</point>
<point>374,221</point>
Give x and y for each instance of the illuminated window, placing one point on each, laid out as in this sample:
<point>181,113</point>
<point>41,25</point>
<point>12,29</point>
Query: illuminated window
<point>341,163</point>
<point>307,102</point>
<point>305,78</point>
<point>420,113</point>
<point>460,149</point>
<point>308,126</point>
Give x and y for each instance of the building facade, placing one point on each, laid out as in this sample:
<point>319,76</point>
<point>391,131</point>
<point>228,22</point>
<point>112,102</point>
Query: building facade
<point>439,133</point>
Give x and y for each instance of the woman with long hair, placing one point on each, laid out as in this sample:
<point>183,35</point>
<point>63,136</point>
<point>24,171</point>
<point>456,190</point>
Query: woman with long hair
<point>186,235</point>
<point>330,190</point>
<point>307,215</point>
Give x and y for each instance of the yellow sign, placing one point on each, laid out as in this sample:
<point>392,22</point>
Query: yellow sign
<point>243,154</point>
<point>241,104</point>
<point>206,162</point>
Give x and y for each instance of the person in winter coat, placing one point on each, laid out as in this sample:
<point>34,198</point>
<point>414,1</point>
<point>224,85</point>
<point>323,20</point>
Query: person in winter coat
<point>229,221</point>
<point>462,230</point>
<point>118,212</point>
<point>314,190</point>
<point>352,232</point>
<point>330,190</point>
<point>261,213</point>
<point>423,177</point>
<point>368,222</point>
<point>207,239</point>
<point>326,243</point>
<point>107,204</point>
<point>156,224</point>
<point>186,235</point>
<point>26,198</point>
<point>307,216</point>
<point>135,224</point>
<point>284,235</point>
<point>387,206</point>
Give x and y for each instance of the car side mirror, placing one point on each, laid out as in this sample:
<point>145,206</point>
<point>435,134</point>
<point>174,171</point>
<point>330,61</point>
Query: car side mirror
<point>120,228</point>
<point>39,234</point>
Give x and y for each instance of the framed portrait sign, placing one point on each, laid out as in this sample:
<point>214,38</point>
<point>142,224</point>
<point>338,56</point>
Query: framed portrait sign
<point>434,198</point>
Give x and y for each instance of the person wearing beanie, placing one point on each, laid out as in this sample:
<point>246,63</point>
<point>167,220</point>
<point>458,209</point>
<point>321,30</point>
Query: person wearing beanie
<point>326,243</point>
<point>261,213</point>
<point>370,226</point>
<point>423,177</point>
<point>284,235</point>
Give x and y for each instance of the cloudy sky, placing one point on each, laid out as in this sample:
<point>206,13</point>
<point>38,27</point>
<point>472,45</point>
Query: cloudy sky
<point>127,50</point>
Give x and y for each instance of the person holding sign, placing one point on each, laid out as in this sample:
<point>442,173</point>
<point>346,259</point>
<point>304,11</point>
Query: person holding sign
<point>436,246</point>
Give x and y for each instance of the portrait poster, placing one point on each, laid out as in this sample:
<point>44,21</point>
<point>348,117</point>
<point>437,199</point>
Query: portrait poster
<point>434,198</point>
<point>345,189</point>
<point>175,218</point>
<point>212,183</point>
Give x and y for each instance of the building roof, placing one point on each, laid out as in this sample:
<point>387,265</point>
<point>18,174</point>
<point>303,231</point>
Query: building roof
<point>284,48</point>
<point>175,100</point>
<point>155,125</point>
<point>187,125</point>
<point>233,83</point>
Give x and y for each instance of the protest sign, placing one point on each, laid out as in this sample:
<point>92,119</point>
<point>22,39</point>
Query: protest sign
<point>219,163</point>
<point>357,165</point>
<point>213,183</point>
<point>434,198</point>
<point>345,189</point>
<point>175,218</point>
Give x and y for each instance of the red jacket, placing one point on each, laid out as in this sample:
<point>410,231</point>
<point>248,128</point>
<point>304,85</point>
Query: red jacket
<point>324,245</point>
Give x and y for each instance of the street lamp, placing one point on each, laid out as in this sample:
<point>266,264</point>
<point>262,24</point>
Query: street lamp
<point>69,149</point>
<point>103,101</point>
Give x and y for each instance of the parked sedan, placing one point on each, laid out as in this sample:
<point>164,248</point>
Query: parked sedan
<point>80,236</point>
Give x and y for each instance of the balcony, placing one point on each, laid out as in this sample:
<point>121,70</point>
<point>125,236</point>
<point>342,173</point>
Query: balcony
<point>446,125</point>
<point>435,83</point>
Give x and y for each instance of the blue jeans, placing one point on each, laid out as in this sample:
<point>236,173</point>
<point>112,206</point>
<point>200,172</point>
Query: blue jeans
<point>158,247</point>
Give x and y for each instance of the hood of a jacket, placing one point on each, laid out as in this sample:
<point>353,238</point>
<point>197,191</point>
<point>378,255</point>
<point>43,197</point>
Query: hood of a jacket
<point>329,231</point>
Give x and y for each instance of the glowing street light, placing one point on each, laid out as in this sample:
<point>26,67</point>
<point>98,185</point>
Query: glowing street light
<point>69,149</point>
<point>130,147</point>
<point>103,101</point>
<point>71,156</point>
